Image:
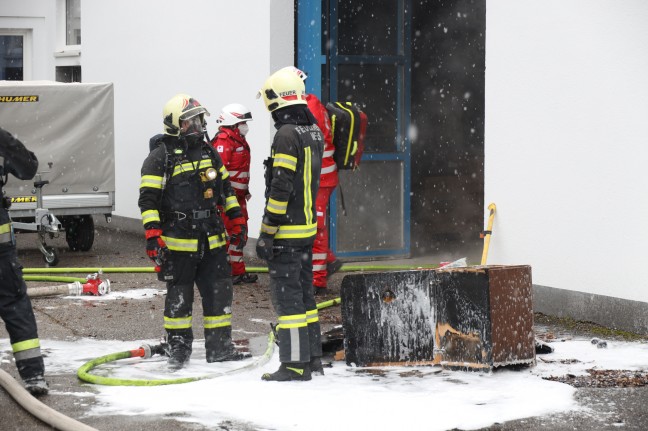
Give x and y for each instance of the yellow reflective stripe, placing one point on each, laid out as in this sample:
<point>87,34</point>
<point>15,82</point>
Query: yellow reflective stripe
<point>205,163</point>
<point>177,322</point>
<point>183,167</point>
<point>287,161</point>
<point>151,181</point>
<point>294,321</point>
<point>269,229</point>
<point>297,231</point>
<point>308,178</point>
<point>178,244</point>
<point>277,207</point>
<point>5,233</point>
<point>149,216</point>
<point>299,371</point>
<point>21,346</point>
<point>341,106</point>
<point>312,316</point>
<point>211,322</point>
<point>224,173</point>
<point>216,241</point>
<point>231,202</point>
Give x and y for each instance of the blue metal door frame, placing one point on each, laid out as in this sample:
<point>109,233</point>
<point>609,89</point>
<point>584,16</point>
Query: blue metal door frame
<point>311,59</point>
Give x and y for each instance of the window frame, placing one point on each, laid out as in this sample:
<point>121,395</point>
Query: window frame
<point>27,36</point>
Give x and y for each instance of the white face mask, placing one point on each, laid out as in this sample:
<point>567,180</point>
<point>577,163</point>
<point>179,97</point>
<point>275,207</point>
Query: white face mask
<point>243,129</point>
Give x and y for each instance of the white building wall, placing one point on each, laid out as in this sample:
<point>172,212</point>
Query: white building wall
<point>36,21</point>
<point>566,141</point>
<point>219,52</point>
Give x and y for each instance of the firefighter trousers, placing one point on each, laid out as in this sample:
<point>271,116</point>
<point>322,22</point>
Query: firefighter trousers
<point>18,315</point>
<point>291,289</point>
<point>210,272</point>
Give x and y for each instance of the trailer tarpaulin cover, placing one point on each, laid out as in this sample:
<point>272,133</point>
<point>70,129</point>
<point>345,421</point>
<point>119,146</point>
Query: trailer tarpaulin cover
<point>70,125</point>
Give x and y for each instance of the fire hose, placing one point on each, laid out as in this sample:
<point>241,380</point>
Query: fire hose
<point>38,409</point>
<point>93,286</point>
<point>147,351</point>
<point>255,269</point>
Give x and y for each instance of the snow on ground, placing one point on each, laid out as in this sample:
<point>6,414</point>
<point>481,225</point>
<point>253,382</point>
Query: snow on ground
<point>422,398</point>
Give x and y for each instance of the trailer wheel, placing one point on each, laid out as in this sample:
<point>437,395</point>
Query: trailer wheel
<point>79,233</point>
<point>52,257</point>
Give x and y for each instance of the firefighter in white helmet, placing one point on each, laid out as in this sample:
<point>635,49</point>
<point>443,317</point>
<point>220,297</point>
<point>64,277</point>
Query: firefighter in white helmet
<point>289,225</point>
<point>234,150</point>
<point>183,179</point>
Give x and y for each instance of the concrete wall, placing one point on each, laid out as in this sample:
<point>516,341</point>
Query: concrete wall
<point>566,145</point>
<point>218,52</point>
<point>36,20</point>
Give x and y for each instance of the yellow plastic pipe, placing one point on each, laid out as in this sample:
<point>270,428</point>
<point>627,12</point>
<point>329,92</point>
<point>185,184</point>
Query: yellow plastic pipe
<point>487,233</point>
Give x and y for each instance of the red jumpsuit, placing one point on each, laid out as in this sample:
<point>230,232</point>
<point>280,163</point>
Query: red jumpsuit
<point>322,255</point>
<point>235,153</point>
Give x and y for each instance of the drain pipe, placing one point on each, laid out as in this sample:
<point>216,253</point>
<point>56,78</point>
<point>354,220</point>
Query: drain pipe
<point>38,409</point>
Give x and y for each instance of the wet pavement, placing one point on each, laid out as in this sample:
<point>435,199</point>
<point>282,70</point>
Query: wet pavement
<point>141,319</point>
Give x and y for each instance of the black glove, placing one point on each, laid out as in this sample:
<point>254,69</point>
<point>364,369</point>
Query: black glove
<point>264,246</point>
<point>239,236</point>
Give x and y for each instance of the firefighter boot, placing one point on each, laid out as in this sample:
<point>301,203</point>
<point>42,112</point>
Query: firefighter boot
<point>37,386</point>
<point>179,352</point>
<point>219,347</point>
<point>316,367</point>
<point>290,372</point>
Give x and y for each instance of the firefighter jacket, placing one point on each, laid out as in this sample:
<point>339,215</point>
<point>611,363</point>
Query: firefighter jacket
<point>329,174</point>
<point>16,160</point>
<point>235,154</point>
<point>178,196</point>
<point>292,178</point>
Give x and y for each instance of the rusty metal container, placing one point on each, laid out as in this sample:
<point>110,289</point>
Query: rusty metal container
<point>476,317</point>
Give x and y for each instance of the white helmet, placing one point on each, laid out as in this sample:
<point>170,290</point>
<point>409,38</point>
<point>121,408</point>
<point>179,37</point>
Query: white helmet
<point>283,88</point>
<point>233,114</point>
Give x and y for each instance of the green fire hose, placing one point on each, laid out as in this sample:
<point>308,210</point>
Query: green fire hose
<point>258,269</point>
<point>147,351</point>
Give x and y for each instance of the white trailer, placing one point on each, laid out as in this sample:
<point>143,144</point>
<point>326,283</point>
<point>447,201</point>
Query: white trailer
<point>70,128</point>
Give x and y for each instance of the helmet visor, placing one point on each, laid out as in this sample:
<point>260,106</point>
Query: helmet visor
<point>192,126</point>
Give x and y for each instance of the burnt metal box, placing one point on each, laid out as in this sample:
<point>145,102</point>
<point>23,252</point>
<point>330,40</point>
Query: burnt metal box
<point>388,317</point>
<point>475,317</point>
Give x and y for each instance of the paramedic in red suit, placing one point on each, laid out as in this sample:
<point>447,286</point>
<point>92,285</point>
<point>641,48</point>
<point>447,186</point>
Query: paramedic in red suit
<point>234,150</point>
<point>324,261</point>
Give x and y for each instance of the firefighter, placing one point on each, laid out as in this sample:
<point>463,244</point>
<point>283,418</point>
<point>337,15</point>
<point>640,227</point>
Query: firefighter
<point>15,306</point>
<point>183,179</point>
<point>325,263</point>
<point>234,150</point>
<point>289,225</point>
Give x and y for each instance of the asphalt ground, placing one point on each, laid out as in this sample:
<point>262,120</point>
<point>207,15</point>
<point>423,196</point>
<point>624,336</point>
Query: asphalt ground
<point>610,408</point>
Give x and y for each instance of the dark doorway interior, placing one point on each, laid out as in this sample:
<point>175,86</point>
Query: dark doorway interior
<point>447,128</point>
